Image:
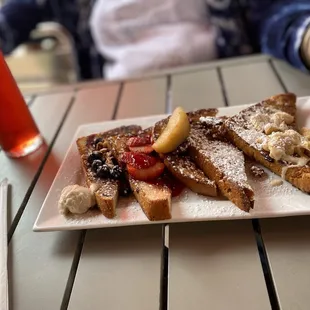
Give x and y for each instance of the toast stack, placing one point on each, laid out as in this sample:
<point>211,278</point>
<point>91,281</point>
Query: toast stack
<point>267,133</point>
<point>221,161</point>
<point>180,164</point>
<point>154,199</point>
<point>93,151</point>
<point>209,158</point>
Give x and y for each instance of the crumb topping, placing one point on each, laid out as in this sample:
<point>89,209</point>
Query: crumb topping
<point>214,127</point>
<point>268,123</point>
<point>305,132</point>
<point>257,172</point>
<point>272,133</point>
<point>288,146</point>
<point>242,125</point>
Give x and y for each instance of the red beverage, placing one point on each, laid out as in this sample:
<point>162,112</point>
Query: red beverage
<point>19,134</point>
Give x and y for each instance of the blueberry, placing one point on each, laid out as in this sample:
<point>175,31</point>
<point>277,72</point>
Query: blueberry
<point>97,155</point>
<point>96,164</point>
<point>90,158</point>
<point>116,172</point>
<point>93,156</point>
<point>103,171</point>
<point>125,191</point>
<point>97,140</point>
<point>114,161</point>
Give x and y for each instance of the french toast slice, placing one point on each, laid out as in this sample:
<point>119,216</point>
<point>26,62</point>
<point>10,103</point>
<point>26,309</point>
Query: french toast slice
<point>221,161</point>
<point>179,162</point>
<point>250,136</point>
<point>106,190</point>
<point>154,199</point>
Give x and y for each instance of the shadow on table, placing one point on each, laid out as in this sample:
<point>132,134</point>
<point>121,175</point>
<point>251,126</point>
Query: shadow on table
<point>122,240</point>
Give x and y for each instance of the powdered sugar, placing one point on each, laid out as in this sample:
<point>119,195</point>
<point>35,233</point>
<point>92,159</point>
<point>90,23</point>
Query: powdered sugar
<point>241,124</point>
<point>262,187</point>
<point>194,206</point>
<point>226,158</point>
<point>210,120</point>
<point>283,200</point>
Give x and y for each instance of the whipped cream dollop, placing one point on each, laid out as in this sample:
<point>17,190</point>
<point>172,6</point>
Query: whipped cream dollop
<point>284,145</point>
<point>76,199</point>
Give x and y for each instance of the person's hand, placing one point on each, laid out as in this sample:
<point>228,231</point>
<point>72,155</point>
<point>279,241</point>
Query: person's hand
<point>305,48</point>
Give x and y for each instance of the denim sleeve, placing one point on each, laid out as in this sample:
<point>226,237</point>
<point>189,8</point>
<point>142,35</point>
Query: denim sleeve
<point>282,30</point>
<point>17,19</point>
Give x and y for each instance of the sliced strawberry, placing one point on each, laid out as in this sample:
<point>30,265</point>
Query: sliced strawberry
<point>150,173</point>
<point>176,188</point>
<point>172,183</point>
<point>142,149</point>
<point>138,160</point>
<point>139,141</point>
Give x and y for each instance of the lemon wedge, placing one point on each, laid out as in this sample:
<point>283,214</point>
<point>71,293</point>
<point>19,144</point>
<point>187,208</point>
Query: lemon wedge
<point>176,132</point>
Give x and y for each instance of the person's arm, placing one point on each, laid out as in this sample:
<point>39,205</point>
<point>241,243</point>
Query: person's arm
<point>305,48</point>
<point>283,31</point>
<point>17,19</point>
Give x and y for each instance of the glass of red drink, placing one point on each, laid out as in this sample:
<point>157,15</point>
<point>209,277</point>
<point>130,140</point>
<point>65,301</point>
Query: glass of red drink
<point>19,134</point>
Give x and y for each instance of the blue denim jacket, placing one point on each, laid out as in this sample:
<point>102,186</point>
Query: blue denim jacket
<point>274,27</point>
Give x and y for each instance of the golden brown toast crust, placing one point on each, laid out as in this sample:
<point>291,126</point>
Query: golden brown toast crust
<point>181,165</point>
<point>107,190</point>
<point>155,200</point>
<point>224,164</point>
<point>282,102</point>
<point>187,172</point>
<point>245,137</point>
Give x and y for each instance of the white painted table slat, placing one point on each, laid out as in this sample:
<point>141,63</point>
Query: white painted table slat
<point>40,264</point>
<point>249,83</point>
<point>124,263</point>
<point>143,98</point>
<point>212,265</point>
<point>48,112</point>
<point>196,90</point>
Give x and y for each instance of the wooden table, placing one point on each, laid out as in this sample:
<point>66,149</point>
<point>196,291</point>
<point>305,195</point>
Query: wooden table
<point>214,265</point>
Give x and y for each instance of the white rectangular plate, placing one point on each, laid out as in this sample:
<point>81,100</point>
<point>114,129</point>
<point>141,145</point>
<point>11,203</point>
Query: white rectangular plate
<point>284,200</point>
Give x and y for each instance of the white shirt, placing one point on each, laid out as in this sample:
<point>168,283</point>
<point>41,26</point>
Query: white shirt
<point>138,36</point>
